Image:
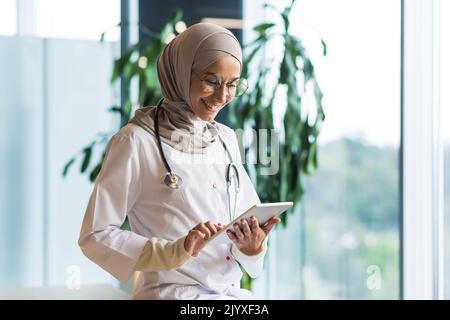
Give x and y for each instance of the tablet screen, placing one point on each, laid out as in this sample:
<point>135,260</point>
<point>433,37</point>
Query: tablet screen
<point>262,212</point>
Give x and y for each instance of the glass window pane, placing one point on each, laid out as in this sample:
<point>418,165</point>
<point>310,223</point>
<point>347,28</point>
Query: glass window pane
<point>347,240</point>
<point>81,19</point>
<point>50,88</point>
<point>8,13</point>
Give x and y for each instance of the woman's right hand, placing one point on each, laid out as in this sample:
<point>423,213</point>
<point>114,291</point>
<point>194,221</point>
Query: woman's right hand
<point>199,236</point>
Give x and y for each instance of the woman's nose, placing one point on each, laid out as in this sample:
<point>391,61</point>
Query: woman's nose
<point>221,94</point>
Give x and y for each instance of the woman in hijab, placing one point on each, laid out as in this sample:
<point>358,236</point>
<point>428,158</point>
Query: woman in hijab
<point>199,72</point>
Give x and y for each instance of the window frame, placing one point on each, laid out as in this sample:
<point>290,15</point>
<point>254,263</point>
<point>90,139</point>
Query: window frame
<point>422,154</point>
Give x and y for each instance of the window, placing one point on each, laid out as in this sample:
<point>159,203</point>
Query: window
<point>8,17</point>
<point>445,114</point>
<point>49,87</point>
<point>82,19</point>
<point>74,19</point>
<point>344,242</point>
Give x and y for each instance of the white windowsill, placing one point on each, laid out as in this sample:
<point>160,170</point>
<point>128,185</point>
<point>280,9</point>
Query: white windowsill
<point>87,292</point>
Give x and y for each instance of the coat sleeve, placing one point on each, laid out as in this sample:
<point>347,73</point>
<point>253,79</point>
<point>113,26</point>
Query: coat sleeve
<point>253,265</point>
<point>248,196</point>
<point>162,255</point>
<point>115,191</point>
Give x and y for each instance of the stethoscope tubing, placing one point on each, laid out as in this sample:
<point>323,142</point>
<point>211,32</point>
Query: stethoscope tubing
<point>173,181</point>
<point>158,138</point>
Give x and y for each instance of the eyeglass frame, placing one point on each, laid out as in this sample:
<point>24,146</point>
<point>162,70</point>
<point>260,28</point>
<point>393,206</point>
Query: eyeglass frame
<point>218,85</point>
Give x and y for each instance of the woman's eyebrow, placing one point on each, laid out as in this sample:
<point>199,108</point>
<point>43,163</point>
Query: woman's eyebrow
<point>214,74</point>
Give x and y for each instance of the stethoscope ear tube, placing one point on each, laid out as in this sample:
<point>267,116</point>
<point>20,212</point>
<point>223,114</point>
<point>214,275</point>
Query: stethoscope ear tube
<point>232,167</point>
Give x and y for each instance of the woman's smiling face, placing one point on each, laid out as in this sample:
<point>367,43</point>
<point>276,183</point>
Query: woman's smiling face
<point>206,105</point>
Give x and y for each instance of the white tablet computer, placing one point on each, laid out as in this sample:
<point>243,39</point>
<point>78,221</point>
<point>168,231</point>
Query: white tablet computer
<point>262,212</point>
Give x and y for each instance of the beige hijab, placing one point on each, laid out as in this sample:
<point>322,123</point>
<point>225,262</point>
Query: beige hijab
<point>193,50</point>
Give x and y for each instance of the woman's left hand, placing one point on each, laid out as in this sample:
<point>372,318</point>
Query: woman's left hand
<point>250,238</point>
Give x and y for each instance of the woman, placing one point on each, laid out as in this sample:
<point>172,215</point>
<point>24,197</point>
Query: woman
<point>166,170</point>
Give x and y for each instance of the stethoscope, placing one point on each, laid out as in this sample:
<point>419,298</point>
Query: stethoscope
<point>174,181</point>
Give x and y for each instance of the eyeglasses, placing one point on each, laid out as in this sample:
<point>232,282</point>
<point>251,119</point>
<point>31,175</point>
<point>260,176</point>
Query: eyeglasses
<point>235,88</point>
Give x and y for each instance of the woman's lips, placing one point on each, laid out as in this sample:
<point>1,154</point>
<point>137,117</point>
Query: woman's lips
<point>212,109</point>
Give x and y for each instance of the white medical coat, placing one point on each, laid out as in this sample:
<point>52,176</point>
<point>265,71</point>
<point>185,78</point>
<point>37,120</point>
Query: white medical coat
<point>131,183</point>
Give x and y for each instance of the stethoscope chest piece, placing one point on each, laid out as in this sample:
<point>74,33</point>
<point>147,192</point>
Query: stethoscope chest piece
<point>172,180</point>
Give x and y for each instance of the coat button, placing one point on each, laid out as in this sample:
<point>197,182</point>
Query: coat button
<point>214,185</point>
<point>228,258</point>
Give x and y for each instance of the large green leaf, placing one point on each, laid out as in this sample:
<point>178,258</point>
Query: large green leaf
<point>94,173</point>
<point>264,27</point>
<point>67,166</point>
<point>87,158</point>
<point>122,63</point>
